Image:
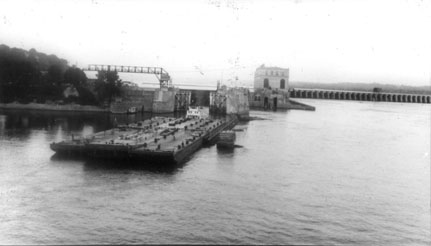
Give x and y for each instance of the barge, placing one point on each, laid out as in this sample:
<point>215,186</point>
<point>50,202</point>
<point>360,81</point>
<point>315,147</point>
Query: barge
<point>157,140</point>
<point>226,140</point>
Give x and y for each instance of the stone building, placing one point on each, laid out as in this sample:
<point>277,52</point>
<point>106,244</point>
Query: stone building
<point>271,89</point>
<point>271,77</point>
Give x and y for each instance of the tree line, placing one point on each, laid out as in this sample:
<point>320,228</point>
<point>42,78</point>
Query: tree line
<point>31,76</point>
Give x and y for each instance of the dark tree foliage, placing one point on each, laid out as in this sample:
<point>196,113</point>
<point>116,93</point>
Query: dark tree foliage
<point>55,75</point>
<point>75,76</point>
<point>108,85</point>
<point>86,97</point>
<point>18,75</point>
<point>27,76</point>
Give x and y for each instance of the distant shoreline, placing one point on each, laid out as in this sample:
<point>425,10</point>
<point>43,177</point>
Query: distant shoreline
<point>53,107</point>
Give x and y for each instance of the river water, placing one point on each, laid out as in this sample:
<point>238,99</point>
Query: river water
<point>349,173</point>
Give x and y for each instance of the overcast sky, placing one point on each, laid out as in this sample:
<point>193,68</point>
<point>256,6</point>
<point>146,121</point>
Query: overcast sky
<point>205,41</point>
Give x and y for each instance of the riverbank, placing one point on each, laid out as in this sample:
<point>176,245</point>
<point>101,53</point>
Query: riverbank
<point>53,107</point>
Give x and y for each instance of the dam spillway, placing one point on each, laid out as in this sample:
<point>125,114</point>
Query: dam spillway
<point>359,95</point>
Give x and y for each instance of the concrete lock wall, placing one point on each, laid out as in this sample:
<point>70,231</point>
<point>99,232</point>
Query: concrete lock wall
<point>133,97</point>
<point>218,102</point>
<point>148,101</point>
<point>182,100</point>
<point>264,98</point>
<point>237,101</point>
<point>230,101</point>
<point>164,100</point>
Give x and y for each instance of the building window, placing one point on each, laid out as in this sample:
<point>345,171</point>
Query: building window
<point>276,73</point>
<point>282,74</point>
<point>266,73</point>
<point>265,83</point>
<point>282,84</point>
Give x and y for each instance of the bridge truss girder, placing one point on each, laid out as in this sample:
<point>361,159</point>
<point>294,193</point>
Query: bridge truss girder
<point>161,74</point>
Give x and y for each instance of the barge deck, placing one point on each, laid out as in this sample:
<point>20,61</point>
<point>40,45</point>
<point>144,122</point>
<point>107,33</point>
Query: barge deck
<point>157,140</point>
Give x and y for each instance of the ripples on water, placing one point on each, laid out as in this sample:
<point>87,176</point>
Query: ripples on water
<point>348,173</point>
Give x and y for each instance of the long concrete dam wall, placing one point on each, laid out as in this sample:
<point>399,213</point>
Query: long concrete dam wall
<point>359,96</point>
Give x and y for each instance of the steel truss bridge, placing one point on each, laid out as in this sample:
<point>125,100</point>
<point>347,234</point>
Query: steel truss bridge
<point>161,74</point>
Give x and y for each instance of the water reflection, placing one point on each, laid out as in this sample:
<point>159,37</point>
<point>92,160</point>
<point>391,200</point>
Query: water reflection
<point>23,119</point>
<point>81,123</point>
<point>3,119</point>
<point>226,151</point>
<point>323,177</point>
<point>130,165</point>
<point>87,130</point>
<point>46,119</point>
<point>58,157</point>
<point>114,165</point>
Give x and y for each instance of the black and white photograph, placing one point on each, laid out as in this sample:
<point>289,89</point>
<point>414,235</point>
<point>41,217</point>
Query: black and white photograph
<point>215,122</point>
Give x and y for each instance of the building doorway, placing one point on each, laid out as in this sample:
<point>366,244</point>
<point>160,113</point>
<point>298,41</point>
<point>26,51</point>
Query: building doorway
<point>265,103</point>
<point>274,104</point>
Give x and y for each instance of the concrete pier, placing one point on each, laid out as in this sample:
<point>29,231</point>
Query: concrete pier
<point>231,101</point>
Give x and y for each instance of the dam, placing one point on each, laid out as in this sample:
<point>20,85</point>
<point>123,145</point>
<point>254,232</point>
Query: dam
<point>359,95</point>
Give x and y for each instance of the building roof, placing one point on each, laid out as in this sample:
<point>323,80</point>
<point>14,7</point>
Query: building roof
<point>274,68</point>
